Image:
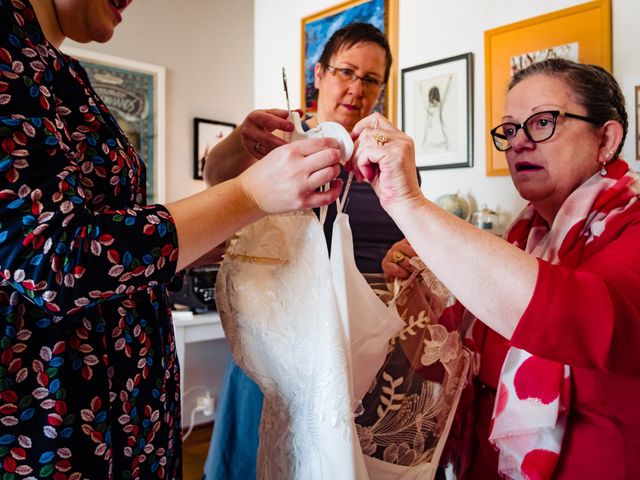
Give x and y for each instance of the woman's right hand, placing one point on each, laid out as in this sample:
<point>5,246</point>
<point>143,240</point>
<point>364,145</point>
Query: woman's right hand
<point>395,263</point>
<point>288,178</point>
<point>385,157</point>
<point>257,131</point>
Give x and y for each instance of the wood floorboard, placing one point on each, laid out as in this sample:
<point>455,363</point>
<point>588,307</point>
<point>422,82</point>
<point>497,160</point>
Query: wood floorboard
<point>195,449</point>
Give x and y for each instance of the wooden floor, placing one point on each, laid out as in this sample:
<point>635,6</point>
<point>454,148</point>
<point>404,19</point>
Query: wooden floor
<point>195,449</point>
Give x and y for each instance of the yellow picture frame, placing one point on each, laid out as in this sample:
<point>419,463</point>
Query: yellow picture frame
<point>588,24</point>
<point>329,20</point>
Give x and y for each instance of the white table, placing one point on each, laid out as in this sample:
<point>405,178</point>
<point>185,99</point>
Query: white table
<point>190,328</point>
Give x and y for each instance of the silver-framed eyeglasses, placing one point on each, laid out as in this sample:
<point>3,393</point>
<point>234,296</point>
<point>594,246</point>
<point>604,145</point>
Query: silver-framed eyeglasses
<point>348,75</point>
<point>538,127</point>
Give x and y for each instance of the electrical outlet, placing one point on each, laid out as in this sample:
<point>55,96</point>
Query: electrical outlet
<point>206,404</point>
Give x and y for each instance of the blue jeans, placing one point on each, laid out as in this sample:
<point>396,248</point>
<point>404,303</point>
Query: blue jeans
<point>234,442</point>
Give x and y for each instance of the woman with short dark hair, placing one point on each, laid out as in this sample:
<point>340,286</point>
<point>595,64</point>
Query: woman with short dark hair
<point>349,78</point>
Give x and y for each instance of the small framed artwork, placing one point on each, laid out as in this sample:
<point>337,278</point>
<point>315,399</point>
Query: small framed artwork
<point>437,112</point>
<point>636,128</point>
<point>134,92</point>
<point>631,149</point>
<point>206,134</point>
<point>318,28</point>
<point>581,33</point>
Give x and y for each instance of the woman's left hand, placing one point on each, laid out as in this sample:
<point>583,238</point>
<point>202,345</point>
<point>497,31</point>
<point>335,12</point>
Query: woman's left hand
<point>384,156</point>
<point>257,131</point>
<point>395,263</point>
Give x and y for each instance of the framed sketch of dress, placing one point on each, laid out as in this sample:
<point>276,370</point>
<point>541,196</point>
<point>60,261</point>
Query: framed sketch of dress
<point>437,111</point>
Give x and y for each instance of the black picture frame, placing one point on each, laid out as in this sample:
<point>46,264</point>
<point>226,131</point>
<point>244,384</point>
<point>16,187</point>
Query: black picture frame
<point>437,111</point>
<point>206,134</point>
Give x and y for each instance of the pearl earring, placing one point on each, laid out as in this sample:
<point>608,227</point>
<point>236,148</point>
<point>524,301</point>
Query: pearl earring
<point>603,170</point>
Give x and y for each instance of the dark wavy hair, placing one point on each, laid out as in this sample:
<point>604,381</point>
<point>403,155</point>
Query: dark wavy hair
<point>351,35</point>
<point>594,88</point>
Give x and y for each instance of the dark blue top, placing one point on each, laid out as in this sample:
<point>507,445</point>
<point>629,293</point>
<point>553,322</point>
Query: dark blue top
<point>374,231</point>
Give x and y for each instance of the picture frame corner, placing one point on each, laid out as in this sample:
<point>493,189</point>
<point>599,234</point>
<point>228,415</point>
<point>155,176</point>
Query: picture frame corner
<point>200,125</point>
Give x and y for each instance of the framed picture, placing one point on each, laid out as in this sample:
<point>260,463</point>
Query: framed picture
<point>135,95</point>
<point>636,127</point>
<point>581,33</point>
<point>318,28</point>
<point>437,111</point>
<point>631,150</point>
<point>206,134</point>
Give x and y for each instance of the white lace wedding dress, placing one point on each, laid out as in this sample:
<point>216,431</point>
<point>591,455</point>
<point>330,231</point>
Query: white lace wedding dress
<point>299,326</point>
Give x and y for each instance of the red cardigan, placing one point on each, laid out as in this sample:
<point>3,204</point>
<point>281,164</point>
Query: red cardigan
<point>585,313</point>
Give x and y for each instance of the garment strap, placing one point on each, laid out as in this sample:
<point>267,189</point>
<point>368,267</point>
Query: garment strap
<point>340,202</point>
<point>325,208</point>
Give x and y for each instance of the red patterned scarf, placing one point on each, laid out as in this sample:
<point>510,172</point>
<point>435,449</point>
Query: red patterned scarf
<point>528,427</point>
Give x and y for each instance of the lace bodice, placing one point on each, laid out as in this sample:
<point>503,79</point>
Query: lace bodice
<point>279,312</point>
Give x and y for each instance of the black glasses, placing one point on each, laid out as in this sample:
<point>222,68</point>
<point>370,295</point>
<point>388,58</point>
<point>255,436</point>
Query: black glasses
<point>348,75</point>
<point>538,128</point>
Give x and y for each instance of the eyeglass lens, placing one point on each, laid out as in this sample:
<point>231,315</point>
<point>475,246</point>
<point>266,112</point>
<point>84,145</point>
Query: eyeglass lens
<point>538,127</point>
<point>348,75</point>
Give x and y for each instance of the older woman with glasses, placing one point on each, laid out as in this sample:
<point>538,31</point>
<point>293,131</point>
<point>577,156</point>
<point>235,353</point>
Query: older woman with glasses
<point>556,304</point>
<point>349,78</point>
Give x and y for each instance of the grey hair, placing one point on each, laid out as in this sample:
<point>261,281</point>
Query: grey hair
<point>594,88</point>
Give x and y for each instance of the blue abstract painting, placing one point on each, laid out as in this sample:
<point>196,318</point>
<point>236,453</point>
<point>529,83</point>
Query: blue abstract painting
<point>317,32</point>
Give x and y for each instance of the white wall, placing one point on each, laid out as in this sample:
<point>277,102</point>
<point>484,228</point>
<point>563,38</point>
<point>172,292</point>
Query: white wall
<point>207,49</point>
<point>430,30</point>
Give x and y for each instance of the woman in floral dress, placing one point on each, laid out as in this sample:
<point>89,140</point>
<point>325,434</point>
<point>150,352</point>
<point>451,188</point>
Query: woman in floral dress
<point>89,383</point>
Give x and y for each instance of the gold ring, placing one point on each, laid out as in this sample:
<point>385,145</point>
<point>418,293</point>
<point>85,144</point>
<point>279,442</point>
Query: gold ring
<point>397,257</point>
<point>257,147</point>
<point>380,138</point>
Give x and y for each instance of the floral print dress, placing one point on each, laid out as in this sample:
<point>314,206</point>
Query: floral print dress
<point>89,382</point>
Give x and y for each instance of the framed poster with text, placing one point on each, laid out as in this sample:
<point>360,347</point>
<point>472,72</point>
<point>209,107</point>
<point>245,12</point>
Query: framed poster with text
<point>134,92</point>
